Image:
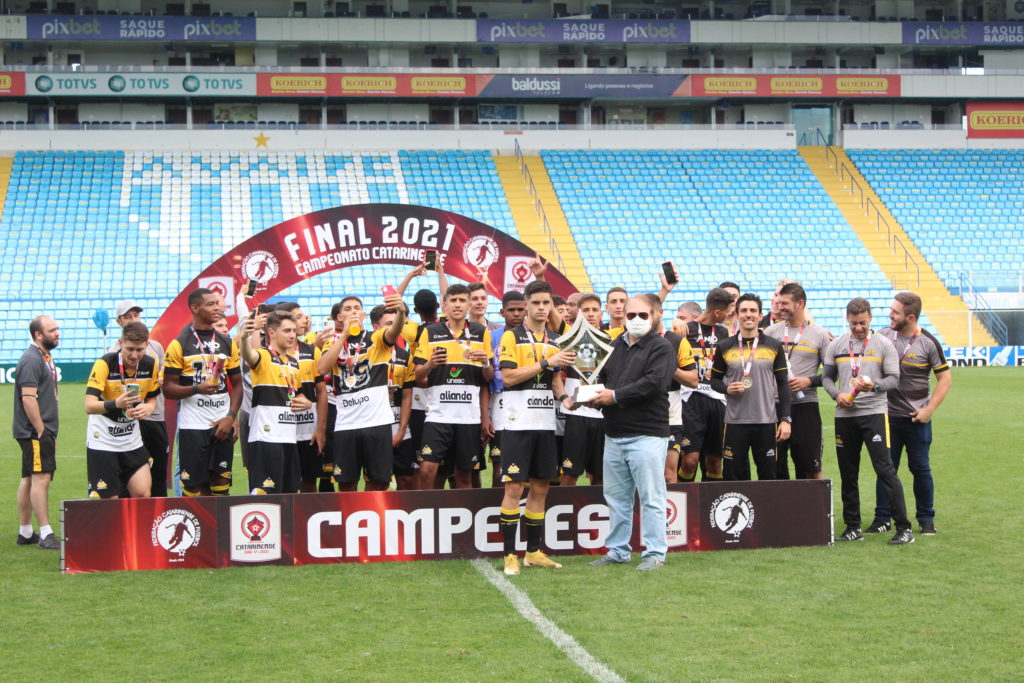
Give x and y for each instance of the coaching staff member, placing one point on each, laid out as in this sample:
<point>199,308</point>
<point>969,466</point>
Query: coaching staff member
<point>35,429</point>
<point>636,379</point>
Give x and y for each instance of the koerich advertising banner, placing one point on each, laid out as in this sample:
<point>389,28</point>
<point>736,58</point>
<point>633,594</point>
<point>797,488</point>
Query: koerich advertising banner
<point>581,31</point>
<point>962,33</point>
<point>391,526</point>
<point>995,119</point>
<point>79,28</point>
<point>839,85</point>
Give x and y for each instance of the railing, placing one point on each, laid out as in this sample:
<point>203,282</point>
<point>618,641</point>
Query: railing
<point>848,175</point>
<point>539,207</point>
<point>980,308</point>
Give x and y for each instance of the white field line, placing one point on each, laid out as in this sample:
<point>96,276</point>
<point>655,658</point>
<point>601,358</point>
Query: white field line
<point>549,629</point>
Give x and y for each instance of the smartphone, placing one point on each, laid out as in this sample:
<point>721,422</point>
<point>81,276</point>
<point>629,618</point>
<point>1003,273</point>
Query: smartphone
<point>431,260</point>
<point>329,323</point>
<point>388,290</point>
<point>131,390</point>
<point>250,290</point>
<point>670,273</point>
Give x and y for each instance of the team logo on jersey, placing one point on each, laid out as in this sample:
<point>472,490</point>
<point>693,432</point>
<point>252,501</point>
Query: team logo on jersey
<point>255,532</point>
<point>732,513</point>
<point>261,266</point>
<point>176,531</point>
<point>480,252</point>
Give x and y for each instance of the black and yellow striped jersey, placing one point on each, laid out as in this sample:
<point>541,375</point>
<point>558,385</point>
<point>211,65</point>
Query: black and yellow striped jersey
<point>529,404</point>
<point>275,381</point>
<point>308,356</point>
<point>187,363</point>
<point>113,430</point>
<point>453,390</point>
<point>360,380</point>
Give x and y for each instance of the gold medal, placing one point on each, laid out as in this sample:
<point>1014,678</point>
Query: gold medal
<point>747,382</point>
<point>350,381</point>
<point>853,382</point>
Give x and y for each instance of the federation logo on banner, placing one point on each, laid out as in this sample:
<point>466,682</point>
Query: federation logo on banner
<point>255,532</point>
<point>176,531</point>
<point>732,514</point>
<point>675,518</point>
<point>517,273</point>
<point>225,287</point>
<point>480,252</point>
<point>261,266</point>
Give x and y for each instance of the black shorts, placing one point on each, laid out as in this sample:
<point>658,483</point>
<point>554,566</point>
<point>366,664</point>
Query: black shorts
<point>675,438</point>
<point>804,445</point>
<point>405,464</point>
<point>366,450</point>
<point>740,441</point>
<point>495,448</point>
<point>154,440</point>
<point>311,461</point>
<point>456,445</point>
<point>703,419</point>
<point>273,467</point>
<point>584,446</point>
<point>200,455</point>
<point>328,454</point>
<point>416,421</point>
<point>109,471</point>
<point>528,454</point>
<point>39,456</point>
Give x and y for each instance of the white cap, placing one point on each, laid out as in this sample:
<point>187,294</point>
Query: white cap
<point>127,305</point>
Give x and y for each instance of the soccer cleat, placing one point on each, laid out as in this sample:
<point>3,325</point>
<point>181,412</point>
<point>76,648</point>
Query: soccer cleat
<point>851,534</point>
<point>604,561</point>
<point>34,538</point>
<point>928,529</point>
<point>878,527</point>
<point>49,543</point>
<point>539,559</point>
<point>649,563</point>
<point>902,537</point>
<point>511,565</point>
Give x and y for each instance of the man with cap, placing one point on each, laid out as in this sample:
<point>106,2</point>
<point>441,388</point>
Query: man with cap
<point>153,428</point>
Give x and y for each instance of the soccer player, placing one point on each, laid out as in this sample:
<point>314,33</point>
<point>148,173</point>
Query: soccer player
<point>750,369</point>
<point>478,306</point>
<point>703,407</point>
<point>401,379</point>
<point>121,391</point>
<point>277,403</point>
<point>453,363</point>
<point>35,429</point>
<point>200,362</point>
<point>688,311</point>
<point>860,369</point>
<point>911,408</point>
<point>260,318</point>
<point>615,304</point>
<point>572,307</point>
<point>513,311</point>
<point>731,323</point>
<point>804,344</point>
<point>584,426</point>
<point>359,364</point>
<point>529,364</point>
<point>152,428</point>
<point>310,424</point>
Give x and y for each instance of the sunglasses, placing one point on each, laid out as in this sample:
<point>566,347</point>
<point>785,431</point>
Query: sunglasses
<point>642,316</point>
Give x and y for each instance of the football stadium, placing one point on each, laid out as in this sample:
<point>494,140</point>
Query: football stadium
<point>650,340</point>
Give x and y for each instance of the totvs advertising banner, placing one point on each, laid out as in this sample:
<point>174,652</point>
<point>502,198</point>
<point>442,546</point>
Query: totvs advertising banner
<point>396,526</point>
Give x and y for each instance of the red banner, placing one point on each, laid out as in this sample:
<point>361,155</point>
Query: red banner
<point>828,85</point>
<point>367,85</point>
<point>390,526</point>
<point>995,119</point>
<point>12,83</point>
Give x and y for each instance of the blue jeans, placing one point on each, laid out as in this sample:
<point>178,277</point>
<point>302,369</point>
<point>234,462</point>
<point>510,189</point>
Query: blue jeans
<point>917,439</point>
<point>635,464</point>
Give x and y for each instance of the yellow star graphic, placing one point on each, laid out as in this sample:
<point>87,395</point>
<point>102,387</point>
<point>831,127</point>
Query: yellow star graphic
<point>261,140</point>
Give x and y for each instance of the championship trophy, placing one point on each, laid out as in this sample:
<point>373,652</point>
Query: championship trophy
<point>592,347</point>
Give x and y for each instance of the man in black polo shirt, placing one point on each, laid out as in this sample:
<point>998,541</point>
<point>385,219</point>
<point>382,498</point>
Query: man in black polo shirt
<point>634,399</point>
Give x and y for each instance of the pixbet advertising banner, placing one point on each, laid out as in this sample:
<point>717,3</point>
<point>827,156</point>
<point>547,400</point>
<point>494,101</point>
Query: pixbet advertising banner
<point>79,28</point>
<point>581,31</point>
<point>837,85</point>
<point>984,356</point>
<point>323,241</point>
<point>141,84</point>
<point>962,33</point>
<point>396,526</point>
<point>995,119</point>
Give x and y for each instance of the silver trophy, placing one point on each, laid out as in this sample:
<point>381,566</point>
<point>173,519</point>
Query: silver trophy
<point>592,348</point>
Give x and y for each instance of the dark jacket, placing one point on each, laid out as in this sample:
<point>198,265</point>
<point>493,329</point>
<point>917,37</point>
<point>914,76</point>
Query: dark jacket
<point>640,376</point>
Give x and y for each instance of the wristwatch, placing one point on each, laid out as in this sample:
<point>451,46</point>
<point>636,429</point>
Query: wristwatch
<point>787,419</point>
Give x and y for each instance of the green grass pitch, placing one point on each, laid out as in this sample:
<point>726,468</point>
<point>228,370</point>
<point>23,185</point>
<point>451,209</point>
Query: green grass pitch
<point>945,608</point>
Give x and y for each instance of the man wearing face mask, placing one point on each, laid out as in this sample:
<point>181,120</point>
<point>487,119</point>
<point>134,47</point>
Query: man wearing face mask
<point>634,400</point>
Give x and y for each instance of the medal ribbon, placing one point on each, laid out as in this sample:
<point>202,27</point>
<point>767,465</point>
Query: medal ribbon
<point>287,370</point>
<point>706,356</point>
<point>855,367</point>
<point>48,359</point>
<point>543,348</point>
<point>912,340</point>
<point>796,340</point>
<point>209,362</point>
<point>747,365</point>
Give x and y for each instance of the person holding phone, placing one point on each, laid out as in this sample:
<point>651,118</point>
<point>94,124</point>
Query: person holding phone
<point>122,390</point>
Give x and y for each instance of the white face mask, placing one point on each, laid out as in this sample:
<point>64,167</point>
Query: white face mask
<point>638,327</point>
